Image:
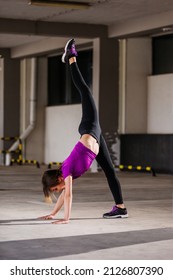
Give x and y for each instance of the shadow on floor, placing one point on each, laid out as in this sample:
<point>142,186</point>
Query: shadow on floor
<point>38,221</point>
<point>63,246</point>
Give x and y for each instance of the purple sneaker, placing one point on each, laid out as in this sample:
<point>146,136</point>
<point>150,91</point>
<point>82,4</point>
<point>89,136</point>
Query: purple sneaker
<point>116,213</point>
<point>69,51</point>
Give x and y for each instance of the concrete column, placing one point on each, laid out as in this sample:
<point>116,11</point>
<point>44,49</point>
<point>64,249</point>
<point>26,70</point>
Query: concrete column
<point>108,88</point>
<point>10,95</point>
<point>1,106</point>
<point>108,93</point>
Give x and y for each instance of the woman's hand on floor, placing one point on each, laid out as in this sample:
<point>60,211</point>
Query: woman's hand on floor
<point>47,217</point>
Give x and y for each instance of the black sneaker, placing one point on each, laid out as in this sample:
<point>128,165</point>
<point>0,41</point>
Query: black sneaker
<point>69,51</point>
<point>116,213</point>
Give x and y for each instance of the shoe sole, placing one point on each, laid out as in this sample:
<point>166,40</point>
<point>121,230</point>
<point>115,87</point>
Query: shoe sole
<point>65,51</point>
<point>116,217</point>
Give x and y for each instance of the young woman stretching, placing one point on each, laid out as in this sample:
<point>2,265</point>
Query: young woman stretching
<point>90,146</point>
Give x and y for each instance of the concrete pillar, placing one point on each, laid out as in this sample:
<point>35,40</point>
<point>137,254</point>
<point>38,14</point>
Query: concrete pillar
<point>9,95</point>
<point>108,79</point>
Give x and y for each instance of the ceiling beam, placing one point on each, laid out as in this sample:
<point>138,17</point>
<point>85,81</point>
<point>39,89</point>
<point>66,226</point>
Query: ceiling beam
<point>44,28</point>
<point>64,4</point>
<point>55,45</point>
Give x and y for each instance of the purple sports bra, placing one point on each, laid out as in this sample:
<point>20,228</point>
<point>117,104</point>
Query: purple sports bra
<point>78,162</point>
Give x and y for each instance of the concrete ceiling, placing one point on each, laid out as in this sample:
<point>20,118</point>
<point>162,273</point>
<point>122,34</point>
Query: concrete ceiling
<point>109,13</point>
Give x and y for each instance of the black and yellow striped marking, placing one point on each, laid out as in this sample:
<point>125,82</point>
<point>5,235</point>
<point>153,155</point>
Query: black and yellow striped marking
<point>25,161</point>
<point>9,138</point>
<point>54,163</point>
<point>20,159</point>
<point>138,168</point>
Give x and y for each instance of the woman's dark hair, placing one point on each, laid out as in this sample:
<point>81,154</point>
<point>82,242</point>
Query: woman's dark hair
<point>50,179</point>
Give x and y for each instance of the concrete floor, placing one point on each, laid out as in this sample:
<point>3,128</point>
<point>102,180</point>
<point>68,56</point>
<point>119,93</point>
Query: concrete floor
<point>147,234</point>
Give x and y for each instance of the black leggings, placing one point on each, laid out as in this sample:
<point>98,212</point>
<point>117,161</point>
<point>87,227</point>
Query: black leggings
<point>90,125</point>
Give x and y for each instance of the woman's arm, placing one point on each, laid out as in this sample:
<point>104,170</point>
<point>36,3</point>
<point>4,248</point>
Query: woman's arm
<point>59,204</point>
<point>67,201</point>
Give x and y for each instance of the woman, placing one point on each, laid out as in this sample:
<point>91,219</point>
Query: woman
<point>90,146</point>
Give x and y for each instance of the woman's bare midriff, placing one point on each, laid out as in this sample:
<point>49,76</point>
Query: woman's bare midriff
<point>90,142</point>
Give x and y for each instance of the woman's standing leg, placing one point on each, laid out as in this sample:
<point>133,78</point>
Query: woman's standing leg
<point>104,160</point>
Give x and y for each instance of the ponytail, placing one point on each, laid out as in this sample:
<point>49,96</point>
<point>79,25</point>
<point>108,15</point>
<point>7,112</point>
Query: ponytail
<point>50,179</point>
